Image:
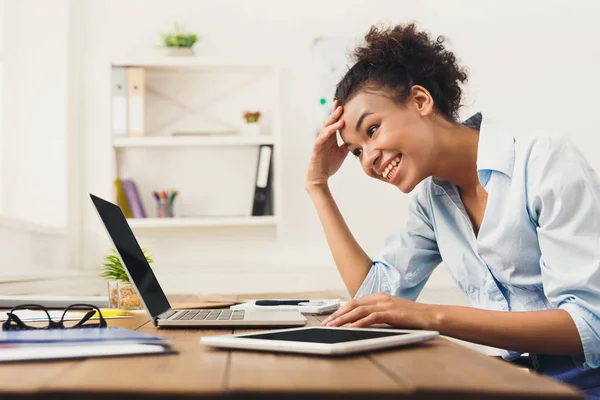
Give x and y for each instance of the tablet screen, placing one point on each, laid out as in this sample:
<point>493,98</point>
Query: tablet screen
<point>320,335</point>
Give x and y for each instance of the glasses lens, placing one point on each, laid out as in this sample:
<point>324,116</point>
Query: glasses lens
<point>81,316</point>
<point>31,316</point>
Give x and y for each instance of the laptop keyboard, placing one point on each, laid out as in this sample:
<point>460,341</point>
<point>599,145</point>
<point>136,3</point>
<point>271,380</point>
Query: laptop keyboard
<point>210,315</point>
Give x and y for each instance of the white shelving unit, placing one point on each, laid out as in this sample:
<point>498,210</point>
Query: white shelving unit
<point>208,222</point>
<point>192,62</point>
<point>174,110</point>
<point>191,141</point>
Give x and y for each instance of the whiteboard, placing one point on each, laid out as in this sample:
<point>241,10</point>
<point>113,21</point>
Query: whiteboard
<point>331,59</point>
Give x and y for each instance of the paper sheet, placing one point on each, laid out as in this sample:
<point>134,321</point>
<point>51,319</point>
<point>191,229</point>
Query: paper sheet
<point>37,315</point>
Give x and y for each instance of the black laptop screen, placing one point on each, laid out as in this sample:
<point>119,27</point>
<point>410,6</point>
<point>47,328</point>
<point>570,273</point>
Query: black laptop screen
<point>111,215</point>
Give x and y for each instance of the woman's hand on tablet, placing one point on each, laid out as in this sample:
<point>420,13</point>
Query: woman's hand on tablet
<point>381,308</point>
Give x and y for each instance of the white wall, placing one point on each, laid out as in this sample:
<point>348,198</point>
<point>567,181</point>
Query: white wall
<point>29,250</point>
<point>531,63</point>
<point>33,140</point>
<point>35,111</point>
<point>2,2</point>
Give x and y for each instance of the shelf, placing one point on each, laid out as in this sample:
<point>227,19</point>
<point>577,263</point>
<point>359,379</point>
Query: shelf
<point>186,141</point>
<point>152,223</point>
<point>191,62</point>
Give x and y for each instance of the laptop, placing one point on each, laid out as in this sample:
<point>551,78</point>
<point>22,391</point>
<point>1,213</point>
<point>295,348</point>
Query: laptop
<point>154,299</point>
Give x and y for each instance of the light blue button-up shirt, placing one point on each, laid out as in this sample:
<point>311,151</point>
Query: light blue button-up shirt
<point>538,246</point>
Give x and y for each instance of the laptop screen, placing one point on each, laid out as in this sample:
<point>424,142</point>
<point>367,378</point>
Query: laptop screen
<point>132,256</point>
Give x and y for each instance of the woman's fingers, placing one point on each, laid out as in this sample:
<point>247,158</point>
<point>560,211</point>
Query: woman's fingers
<point>349,306</point>
<point>333,117</point>
<point>341,311</point>
<point>332,124</point>
<point>336,111</point>
<point>352,316</point>
<point>371,319</point>
<point>328,131</point>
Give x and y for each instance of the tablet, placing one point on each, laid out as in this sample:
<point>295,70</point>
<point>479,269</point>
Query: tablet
<point>320,340</point>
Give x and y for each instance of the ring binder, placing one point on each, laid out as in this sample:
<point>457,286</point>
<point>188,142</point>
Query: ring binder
<point>136,92</point>
<point>263,202</point>
<point>119,101</point>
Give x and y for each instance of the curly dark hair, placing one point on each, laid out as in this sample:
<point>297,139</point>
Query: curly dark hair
<point>395,59</point>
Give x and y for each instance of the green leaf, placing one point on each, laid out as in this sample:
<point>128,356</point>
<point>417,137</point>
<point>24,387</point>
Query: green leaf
<point>112,268</point>
<point>179,38</point>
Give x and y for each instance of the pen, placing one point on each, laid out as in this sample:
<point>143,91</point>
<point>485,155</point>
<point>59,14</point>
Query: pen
<point>111,313</point>
<point>280,302</point>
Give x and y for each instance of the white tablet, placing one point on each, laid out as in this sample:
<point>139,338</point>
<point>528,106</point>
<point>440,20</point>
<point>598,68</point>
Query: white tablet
<point>320,340</point>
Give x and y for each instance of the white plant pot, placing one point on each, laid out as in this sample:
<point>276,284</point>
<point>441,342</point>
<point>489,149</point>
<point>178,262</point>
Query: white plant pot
<point>251,129</point>
<point>179,51</point>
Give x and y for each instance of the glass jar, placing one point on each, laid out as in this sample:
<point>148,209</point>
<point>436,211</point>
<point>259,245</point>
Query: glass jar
<point>113,295</point>
<point>128,297</point>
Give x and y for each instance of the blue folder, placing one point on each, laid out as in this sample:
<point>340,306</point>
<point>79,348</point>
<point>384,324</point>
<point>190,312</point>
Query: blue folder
<point>79,336</point>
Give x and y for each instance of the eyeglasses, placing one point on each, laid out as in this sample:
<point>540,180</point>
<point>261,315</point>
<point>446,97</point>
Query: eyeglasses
<point>66,321</point>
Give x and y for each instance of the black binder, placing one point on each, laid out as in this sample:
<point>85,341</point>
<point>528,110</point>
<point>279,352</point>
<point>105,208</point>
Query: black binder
<point>263,192</point>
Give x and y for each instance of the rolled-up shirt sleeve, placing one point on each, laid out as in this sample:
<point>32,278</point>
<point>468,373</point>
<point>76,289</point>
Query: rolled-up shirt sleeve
<point>409,257</point>
<point>564,200</point>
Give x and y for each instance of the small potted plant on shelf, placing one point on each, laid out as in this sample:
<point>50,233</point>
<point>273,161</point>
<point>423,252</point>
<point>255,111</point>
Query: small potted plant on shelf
<point>121,293</point>
<point>179,43</point>
<point>252,125</point>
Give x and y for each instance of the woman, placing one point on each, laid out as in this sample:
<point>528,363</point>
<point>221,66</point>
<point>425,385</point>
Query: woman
<point>515,216</point>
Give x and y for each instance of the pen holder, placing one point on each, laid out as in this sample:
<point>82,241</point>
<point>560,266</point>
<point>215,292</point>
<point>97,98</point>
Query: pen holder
<point>164,202</point>
<point>164,210</point>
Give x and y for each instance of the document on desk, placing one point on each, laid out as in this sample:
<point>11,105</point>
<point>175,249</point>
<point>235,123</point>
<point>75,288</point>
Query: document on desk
<point>50,344</point>
<point>77,336</point>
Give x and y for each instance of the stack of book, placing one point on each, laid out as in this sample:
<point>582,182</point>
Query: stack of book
<point>128,198</point>
<point>50,344</point>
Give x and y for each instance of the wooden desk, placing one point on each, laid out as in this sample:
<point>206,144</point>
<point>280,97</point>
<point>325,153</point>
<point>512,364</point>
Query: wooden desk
<point>438,369</point>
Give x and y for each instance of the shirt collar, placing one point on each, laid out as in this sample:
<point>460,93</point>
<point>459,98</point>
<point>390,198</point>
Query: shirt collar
<point>495,152</point>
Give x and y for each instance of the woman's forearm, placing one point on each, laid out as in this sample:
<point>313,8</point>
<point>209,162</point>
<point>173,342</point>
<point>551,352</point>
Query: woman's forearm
<point>351,260</point>
<point>541,332</point>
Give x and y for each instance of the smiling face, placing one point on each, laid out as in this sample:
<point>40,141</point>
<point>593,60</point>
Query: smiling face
<point>394,143</point>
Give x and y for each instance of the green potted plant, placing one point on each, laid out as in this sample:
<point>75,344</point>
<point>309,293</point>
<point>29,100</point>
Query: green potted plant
<point>252,125</point>
<point>121,293</point>
<point>179,42</point>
